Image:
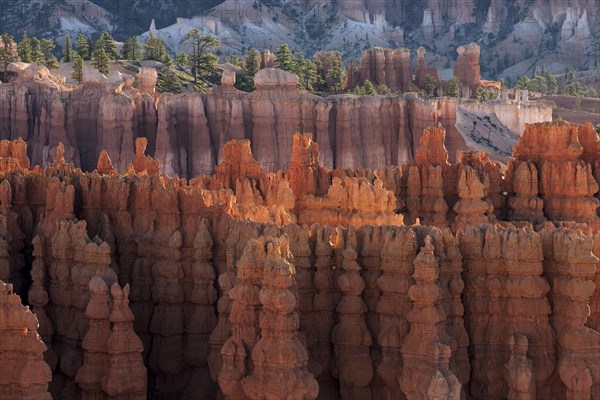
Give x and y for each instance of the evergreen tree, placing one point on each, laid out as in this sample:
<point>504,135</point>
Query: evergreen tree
<point>132,50</point>
<point>68,52</point>
<point>7,55</point>
<point>83,48</point>
<point>384,90</point>
<point>366,89</point>
<point>182,59</point>
<point>77,73</point>
<point>25,48</point>
<point>453,89</point>
<point>252,62</point>
<point>250,66</point>
<point>101,60</point>
<point>234,60</point>
<point>409,88</point>
<point>47,46</point>
<point>36,51</point>
<point>203,63</point>
<point>429,86</point>
<point>307,72</point>
<point>110,47</point>
<point>155,49</point>
<point>285,59</point>
<point>168,81</point>
<point>336,74</point>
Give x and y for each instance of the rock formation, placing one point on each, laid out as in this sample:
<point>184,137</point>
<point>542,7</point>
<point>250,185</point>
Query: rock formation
<point>280,358</point>
<point>25,375</point>
<point>505,307</point>
<point>384,67</point>
<point>351,338</point>
<point>467,68</point>
<point>186,132</point>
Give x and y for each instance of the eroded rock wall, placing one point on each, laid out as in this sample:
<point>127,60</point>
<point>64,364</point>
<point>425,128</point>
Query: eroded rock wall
<point>220,291</point>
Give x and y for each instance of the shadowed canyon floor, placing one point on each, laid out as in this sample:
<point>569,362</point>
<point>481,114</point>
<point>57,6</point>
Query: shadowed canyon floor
<point>425,280</point>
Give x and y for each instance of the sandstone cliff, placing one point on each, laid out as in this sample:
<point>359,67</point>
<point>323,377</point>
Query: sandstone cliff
<point>352,304</point>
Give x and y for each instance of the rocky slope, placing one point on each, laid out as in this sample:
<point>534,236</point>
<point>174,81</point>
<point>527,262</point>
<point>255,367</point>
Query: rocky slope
<point>221,293</point>
<point>186,132</point>
<point>517,37</point>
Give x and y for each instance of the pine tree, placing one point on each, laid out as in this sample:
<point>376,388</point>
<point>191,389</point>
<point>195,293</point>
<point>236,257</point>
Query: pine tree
<point>383,90</point>
<point>110,47</point>
<point>83,48</point>
<point>336,74</point>
<point>452,90</point>
<point>7,55</point>
<point>429,86</point>
<point>101,60</point>
<point>47,46</point>
<point>132,49</point>
<point>155,49</point>
<point>25,48</point>
<point>250,66</point>
<point>68,53</point>
<point>36,51</point>
<point>182,59</point>
<point>366,89</point>
<point>77,73</point>
<point>307,72</point>
<point>203,63</point>
<point>168,81</point>
<point>285,58</point>
<point>252,62</point>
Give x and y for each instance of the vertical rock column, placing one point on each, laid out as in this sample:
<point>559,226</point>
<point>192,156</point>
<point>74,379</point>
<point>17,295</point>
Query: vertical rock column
<point>426,352</point>
<point>525,205</point>
<point>244,321</point>
<point>578,345</point>
<point>280,357</point>
<point>200,318</point>
<point>449,258</point>
<point>471,209</point>
<point>167,324</point>
<point>24,375</point>
<point>351,338</point>
<point>126,377</point>
<point>222,331</point>
<point>370,251</point>
<point>95,343</point>
<point>324,307</point>
<point>397,255</point>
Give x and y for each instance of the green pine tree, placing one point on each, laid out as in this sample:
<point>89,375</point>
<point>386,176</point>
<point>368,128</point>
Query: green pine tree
<point>182,59</point>
<point>383,90</point>
<point>336,74</point>
<point>250,66</point>
<point>202,61</point>
<point>132,50</point>
<point>168,81</point>
<point>36,51</point>
<point>453,90</point>
<point>429,86</point>
<point>47,46</point>
<point>285,59</point>
<point>68,52</point>
<point>77,73</point>
<point>7,53</point>
<point>25,48</point>
<point>110,47</point>
<point>83,48</point>
<point>101,60</point>
<point>155,49</point>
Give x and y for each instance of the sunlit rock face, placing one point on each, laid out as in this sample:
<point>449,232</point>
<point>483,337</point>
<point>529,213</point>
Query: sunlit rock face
<point>427,279</point>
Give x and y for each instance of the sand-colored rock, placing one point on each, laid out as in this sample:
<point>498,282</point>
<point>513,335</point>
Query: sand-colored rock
<point>467,68</point>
